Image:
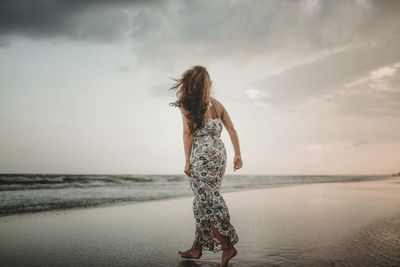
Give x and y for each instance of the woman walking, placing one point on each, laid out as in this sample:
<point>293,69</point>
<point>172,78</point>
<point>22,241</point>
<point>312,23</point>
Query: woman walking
<point>205,155</point>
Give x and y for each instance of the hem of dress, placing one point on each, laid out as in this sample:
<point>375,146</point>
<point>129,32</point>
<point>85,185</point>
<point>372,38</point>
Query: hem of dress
<point>217,249</point>
<point>234,238</point>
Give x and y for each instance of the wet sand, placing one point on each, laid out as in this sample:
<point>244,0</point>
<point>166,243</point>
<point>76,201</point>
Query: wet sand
<point>335,224</point>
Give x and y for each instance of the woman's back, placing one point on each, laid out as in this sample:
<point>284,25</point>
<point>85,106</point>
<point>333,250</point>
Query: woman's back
<point>213,123</point>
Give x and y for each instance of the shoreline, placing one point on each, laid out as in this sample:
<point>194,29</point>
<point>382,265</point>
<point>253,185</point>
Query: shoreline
<point>314,224</point>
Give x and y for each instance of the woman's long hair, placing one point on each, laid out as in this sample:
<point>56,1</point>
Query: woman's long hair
<point>193,95</point>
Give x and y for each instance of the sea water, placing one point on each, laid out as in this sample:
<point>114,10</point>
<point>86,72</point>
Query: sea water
<point>39,192</point>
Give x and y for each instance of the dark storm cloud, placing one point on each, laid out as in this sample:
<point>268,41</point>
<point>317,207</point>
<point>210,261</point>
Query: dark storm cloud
<point>225,28</point>
<point>93,20</point>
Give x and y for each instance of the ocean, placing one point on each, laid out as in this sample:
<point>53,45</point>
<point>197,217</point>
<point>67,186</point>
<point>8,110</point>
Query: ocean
<point>20,193</point>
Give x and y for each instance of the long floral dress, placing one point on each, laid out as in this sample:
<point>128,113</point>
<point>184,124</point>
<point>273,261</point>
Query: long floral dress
<point>207,167</point>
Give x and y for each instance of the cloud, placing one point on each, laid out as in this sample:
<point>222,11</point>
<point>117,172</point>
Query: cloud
<point>256,94</point>
<point>385,79</point>
<point>88,20</point>
<point>316,47</point>
<point>375,94</point>
<point>244,30</point>
<point>213,29</point>
<point>357,80</point>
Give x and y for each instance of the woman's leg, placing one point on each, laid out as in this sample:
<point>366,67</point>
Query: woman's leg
<point>225,242</point>
<point>228,249</point>
<point>195,251</point>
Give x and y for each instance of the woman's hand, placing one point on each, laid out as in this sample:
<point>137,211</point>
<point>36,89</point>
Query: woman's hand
<point>187,169</point>
<point>237,162</point>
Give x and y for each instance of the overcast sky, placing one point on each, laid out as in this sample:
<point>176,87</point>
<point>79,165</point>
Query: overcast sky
<point>312,87</point>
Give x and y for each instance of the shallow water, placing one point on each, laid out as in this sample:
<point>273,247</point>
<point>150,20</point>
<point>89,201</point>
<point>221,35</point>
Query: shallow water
<point>39,192</point>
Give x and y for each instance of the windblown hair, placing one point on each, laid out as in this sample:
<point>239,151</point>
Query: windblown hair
<point>193,94</point>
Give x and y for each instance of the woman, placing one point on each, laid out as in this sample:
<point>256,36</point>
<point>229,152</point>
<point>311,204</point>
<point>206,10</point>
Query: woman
<point>206,163</point>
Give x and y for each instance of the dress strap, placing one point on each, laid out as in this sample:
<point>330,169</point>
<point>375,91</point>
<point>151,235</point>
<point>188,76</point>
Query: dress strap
<point>215,108</point>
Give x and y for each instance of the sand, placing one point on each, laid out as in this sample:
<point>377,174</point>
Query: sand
<point>336,224</point>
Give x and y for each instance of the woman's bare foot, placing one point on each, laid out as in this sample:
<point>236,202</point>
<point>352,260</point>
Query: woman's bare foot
<point>191,253</point>
<point>227,255</point>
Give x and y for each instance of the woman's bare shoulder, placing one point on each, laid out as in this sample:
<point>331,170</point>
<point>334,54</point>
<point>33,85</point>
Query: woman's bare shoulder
<point>219,105</point>
<point>218,102</point>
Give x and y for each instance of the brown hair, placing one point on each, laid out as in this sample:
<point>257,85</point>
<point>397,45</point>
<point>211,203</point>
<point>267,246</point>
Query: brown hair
<point>193,95</point>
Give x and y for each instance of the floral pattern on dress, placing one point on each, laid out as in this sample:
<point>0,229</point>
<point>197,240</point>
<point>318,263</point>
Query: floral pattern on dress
<point>207,167</point>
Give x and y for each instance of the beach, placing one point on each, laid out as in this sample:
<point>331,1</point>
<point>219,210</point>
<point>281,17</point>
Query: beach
<point>317,224</point>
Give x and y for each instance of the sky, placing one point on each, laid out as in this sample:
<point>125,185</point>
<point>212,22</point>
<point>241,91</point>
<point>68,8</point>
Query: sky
<point>312,87</point>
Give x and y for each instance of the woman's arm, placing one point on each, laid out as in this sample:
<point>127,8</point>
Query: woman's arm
<point>231,130</point>
<point>237,160</point>
<point>187,138</point>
